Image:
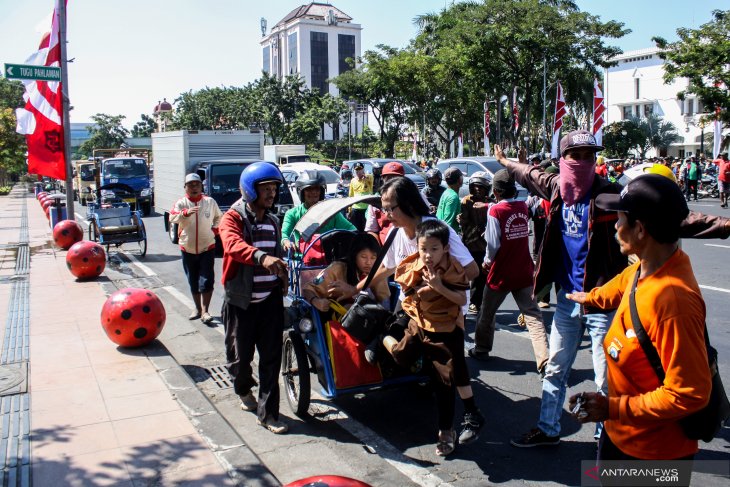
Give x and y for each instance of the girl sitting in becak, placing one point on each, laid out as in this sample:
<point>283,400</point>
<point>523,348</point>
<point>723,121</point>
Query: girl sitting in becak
<point>435,285</point>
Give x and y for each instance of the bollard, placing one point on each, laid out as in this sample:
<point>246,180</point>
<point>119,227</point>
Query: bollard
<point>57,213</point>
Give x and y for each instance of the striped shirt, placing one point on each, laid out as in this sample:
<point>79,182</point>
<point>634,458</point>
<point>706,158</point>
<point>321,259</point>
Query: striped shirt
<point>264,239</point>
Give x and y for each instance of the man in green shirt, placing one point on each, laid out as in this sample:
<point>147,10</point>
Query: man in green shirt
<point>450,204</point>
<point>311,187</point>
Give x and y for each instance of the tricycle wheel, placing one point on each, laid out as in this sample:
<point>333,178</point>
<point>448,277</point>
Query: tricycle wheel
<point>172,232</point>
<point>295,369</point>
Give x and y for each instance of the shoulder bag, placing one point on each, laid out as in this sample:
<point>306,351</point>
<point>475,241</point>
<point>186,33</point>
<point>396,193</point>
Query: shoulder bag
<point>366,317</point>
<point>705,423</point>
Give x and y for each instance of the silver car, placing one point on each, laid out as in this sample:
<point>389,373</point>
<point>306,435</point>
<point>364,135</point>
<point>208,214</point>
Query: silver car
<point>469,165</point>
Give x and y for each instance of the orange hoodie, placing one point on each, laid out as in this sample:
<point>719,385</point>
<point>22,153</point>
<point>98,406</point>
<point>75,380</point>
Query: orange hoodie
<point>643,413</point>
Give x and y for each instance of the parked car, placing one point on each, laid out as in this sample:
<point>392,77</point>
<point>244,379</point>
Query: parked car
<point>294,170</point>
<point>470,165</point>
<point>375,167</point>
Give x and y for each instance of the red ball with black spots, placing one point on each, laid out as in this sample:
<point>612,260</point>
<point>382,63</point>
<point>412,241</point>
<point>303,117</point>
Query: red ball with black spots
<point>66,233</point>
<point>133,317</point>
<point>86,259</point>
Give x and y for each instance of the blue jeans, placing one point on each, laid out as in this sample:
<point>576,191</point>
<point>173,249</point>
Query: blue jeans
<point>565,337</point>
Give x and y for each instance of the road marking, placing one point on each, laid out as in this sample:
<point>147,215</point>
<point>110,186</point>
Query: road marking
<point>383,448</point>
<point>180,296</point>
<point>135,261</point>
<point>82,219</point>
<point>718,245</point>
<point>712,288</point>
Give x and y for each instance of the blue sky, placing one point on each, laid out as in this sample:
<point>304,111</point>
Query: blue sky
<point>128,55</point>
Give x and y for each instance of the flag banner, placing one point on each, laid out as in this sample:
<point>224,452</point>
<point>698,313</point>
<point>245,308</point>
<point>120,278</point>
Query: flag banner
<point>487,151</point>
<point>717,140</point>
<point>558,120</point>
<point>461,147</point>
<point>598,110</point>
<point>41,119</point>
<point>515,111</point>
<point>414,155</point>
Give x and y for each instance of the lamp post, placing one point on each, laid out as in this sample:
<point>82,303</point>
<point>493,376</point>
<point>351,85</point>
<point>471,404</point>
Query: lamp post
<point>350,105</point>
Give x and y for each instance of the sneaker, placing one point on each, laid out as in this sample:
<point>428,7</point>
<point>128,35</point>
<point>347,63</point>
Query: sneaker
<point>389,343</point>
<point>274,425</point>
<point>472,424</point>
<point>473,308</point>
<point>446,443</point>
<point>249,402</point>
<point>206,318</point>
<point>535,437</point>
<point>474,353</point>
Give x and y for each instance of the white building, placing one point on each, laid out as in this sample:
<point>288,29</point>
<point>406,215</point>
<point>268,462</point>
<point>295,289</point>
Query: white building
<point>635,87</point>
<point>314,41</point>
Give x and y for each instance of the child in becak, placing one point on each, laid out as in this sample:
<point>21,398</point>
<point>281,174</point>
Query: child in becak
<point>435,285</point>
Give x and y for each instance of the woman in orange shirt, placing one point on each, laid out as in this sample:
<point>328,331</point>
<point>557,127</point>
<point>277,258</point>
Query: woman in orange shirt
<point>641,414</point>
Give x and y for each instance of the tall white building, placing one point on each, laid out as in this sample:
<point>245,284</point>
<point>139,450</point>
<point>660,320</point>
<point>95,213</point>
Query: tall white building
<point>314,41</point>
<point>635,87</point>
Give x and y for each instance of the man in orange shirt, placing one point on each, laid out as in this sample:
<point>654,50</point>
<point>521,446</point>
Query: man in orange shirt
<point>641,414</point>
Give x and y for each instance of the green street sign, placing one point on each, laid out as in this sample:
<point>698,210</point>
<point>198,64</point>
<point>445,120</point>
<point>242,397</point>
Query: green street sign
<point>29,71</point>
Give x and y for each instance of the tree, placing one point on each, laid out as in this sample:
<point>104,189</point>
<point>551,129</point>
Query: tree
<point>703,57</point>
<point>145,127</point>
<point>620,137</point>
<point>106,133</point>
<point>656,133</point>
<point>12,144</point>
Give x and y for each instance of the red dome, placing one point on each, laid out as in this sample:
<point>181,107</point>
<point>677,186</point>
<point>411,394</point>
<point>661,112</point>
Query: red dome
<point>163,106</point>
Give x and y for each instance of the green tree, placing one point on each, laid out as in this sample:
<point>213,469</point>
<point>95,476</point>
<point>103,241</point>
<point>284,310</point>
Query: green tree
<point>12,144</point>
<point>656,133</point>
<point>621,137</point>
<point>145,127</point>
<point>703,57</point>
<point>106,133</point>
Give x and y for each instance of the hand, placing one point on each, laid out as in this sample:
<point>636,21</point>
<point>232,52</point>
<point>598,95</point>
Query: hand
<point>577,296</point>
<point>322,304</point>
<point>500,155</point>
<point>339,290</point>
<point>276,267</point>
<point>595,405</point>
<point>458,218</point>
<point>432,278</point>
<point>522,155</point>
<point>191,211</point>
<point>486,267</point>
<point>288,245</point>
<point>479,205</point>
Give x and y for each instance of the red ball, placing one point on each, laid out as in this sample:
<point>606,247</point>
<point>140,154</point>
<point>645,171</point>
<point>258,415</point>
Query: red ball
<point>46,203</point>
<point>41,195</point>
<point>327,481</point>
<point>66,233</point>
<point>86,259</point>
<point>133,317</point>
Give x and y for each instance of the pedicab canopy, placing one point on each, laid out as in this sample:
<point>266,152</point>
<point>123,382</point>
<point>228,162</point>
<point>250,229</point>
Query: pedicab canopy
<point>323,211</point>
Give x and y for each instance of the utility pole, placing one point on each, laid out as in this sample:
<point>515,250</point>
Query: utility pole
<point>544,104</point>
<point>61,12</point>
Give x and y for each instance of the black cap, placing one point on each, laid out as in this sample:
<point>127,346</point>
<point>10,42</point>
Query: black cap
<point>358,166</point>
<point>649,196</point>
<point>578,138</point>
<point>452,175</point>
<point>503,182</point>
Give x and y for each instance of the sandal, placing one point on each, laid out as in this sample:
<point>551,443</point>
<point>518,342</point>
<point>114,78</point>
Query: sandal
<point>446,443</point>
<point>206,318</point>
<point>194,315</point>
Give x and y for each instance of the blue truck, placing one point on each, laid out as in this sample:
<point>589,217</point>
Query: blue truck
<point>128,167</point>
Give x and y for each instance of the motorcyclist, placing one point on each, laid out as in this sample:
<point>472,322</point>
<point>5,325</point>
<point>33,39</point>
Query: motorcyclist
<point>433,189</point>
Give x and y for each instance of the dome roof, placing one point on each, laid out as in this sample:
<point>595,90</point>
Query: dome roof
<point>163,106</point>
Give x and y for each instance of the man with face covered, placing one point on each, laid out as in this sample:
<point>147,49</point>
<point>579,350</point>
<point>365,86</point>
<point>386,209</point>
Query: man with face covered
<point>579,252</point>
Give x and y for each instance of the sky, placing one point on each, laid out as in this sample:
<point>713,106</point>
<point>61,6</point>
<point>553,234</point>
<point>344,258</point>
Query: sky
<point>129,55</point>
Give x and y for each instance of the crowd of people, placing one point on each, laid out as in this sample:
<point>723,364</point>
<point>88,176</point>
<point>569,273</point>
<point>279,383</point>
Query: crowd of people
<point>453,256</point>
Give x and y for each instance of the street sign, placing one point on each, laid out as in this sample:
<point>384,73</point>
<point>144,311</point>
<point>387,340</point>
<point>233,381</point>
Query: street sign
<point>29,71</point>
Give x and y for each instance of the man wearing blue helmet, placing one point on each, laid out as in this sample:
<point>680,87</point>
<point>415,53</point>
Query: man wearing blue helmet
<point>254,279</point>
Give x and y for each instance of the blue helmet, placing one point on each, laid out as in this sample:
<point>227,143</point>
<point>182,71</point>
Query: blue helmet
<point>256,173</point>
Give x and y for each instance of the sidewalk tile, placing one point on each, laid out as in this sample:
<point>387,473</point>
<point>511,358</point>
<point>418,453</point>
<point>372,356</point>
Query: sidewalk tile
<point>145,429</point>
<point>50,379</point>
<point>97,468</point>
<point>60,442</point>
<point>167,457</point>
<point>77,406</point>
<point>140,405</point>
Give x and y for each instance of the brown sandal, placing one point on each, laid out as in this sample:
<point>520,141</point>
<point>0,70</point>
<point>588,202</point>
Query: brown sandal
<point>446,443</point>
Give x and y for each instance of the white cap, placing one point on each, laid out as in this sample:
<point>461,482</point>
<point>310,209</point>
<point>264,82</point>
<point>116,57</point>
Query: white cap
<point>192,177</point>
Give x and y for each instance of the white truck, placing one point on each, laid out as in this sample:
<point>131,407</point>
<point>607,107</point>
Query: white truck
<point>217,156</point>
<point>284,154</point>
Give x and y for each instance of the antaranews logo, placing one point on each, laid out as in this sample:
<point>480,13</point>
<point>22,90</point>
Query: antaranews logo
<point>642,473</point>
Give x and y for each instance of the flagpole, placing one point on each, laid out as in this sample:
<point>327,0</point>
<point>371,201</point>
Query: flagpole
<point>544,104</point>
<point>61,11</point>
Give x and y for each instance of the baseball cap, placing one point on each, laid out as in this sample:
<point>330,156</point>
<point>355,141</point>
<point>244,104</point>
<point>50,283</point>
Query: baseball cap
<point>358,166</point>
<point>578,138</point>
<point>648,196</point>
<point>503,182</point>
<point>192,177</point>
<point>452,175</point>
<point>393,168</point>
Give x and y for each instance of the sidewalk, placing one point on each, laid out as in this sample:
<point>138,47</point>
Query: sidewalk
<point>99,415</point>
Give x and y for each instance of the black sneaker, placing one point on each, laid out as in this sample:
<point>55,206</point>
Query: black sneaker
<point>471,425</point>
<point>535,437</point>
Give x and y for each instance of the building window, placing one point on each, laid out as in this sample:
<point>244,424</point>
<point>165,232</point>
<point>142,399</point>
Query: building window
<point>293,58</point>
<point>699,106</point>
<point>690,107</point>
<point>648,110</point>
<point>320,61</point>
<point>636,88</point>
<point>627,113</point>
<point>345,49</point>
<point>681,153</point>
<point>267,60</point>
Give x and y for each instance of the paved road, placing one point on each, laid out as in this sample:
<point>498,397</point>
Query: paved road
<point>387,437</point>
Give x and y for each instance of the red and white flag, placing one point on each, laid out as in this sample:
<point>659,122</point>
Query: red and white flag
<point>558,120</point>
<point>487,151</point>
<point>41,120</point>
<point>717,133</point>
<point>515,110</point>
<point>414,155</point>
<point>598,109</point>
